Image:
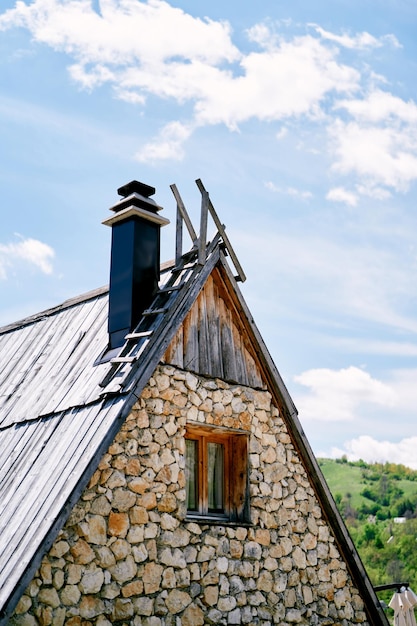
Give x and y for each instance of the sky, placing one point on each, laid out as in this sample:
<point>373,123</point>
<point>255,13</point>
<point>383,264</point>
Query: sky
<point>301,120</point>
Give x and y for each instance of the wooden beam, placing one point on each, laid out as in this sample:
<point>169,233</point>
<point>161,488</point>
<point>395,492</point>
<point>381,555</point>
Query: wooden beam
<point>184,214</point>
<point>221,229</point>
<point>203,228</point>
<point>178,238</point>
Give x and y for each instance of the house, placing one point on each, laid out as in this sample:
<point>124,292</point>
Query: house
<point>153,470</point>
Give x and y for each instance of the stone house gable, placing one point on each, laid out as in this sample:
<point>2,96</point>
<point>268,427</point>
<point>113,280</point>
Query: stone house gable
<point>129,555</point>
<point>164,477</point>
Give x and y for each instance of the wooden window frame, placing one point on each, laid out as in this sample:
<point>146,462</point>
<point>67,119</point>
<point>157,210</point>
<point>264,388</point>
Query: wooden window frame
<point>235,473</point>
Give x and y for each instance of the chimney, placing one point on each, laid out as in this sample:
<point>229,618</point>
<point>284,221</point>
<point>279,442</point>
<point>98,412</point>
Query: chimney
<point>135,258</point>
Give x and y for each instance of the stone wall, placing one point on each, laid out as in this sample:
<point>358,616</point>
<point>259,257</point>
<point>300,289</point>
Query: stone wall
<point>127,555</point>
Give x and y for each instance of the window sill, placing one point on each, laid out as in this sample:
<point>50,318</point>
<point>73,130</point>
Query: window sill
<point>215,521</point>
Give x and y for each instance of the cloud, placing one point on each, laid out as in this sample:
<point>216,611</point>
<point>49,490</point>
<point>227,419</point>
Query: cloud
<point>289,191</point>
<point>359,41</point>
<point>339,194</point>
<point>30,251</point>
<point>154,48</point>
<point>371,450</point>
<point>289,80</point>
<point>148,48</point>
<point>168,146</point>
<point>124,32</point>
<point>336,395</point>
<point>379,143</point>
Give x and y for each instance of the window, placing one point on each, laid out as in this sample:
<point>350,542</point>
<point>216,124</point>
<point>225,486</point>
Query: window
<point>216,474</point>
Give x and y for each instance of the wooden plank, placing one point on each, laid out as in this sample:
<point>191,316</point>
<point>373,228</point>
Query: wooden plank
<point>184,214</point>
<point>240,497</point>
<point>240,355</point>
<point>204,361</point>
<point>191,356</point>
<point>214,345</point>
<point>145,333</point>
<point>203,228</point>
<point>178,237</point>
<point>174,354</point>
<point>222,231</point>
<point>228,348</point>
<point>154,311</point>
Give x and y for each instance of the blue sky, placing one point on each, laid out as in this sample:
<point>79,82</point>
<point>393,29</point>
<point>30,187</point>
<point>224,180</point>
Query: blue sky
<point>300,119</point>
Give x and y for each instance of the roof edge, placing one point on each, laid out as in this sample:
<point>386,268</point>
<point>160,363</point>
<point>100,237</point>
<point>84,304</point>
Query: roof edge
<point>89,295</point>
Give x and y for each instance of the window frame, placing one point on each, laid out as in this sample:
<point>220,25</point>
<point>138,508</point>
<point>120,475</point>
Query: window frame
<point>235,474</point>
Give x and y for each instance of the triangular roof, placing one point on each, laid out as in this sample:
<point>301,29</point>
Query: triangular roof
<point>63,399</point>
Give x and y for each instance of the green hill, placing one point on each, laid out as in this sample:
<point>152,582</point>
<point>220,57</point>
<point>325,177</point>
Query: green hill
<point>379,505</point>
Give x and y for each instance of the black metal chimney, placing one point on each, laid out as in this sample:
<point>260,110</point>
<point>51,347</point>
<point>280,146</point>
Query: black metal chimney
<point>135,258</point>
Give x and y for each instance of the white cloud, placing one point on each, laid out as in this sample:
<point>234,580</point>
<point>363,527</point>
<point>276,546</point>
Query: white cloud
<point>337,395</point>
<point>373,191</point>
<point>31,251</point>
<point>379,143</point>
<point>289,80</point>
<point>358,41</point>
<point>339,194</point>
<point>125,31</point>
<point>141,48</point>
<point>152,47</point>
<point>289,191</point>
<point>169,144</point>
<point>371,450</point>
<point>380,106</point>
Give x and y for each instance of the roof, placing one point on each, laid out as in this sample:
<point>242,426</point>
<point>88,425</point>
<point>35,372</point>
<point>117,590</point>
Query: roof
<point>63,398</point>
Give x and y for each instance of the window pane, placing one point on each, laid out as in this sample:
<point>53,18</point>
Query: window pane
<point>191,464</point>
<point>215,476</point>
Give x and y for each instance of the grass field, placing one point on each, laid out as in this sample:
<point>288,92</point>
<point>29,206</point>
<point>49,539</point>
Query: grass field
<point>345,478</point>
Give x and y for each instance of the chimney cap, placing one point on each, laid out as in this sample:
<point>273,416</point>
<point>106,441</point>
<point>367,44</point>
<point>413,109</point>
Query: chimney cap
<point>136,187</point>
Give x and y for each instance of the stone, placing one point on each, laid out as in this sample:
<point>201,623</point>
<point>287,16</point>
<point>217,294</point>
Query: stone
<point>100,506</point>
<point>23,605</point>
<point>121,549</point>
<point>49,596</point>
<point>143,606</point>
<point>70,595</point>
<point>122,609</point>
<point>124,570</point>
<point>118,524</point>
<point>168,503</point>
<point>58,579</point>
<point>192,616</point>
<point>123,499</point>
<point>82,552</point>
<point>74,574</point>
<point>105,557</point>
<point>116,479</point>
<point>211,595</point>
<point>59,549</point>
<point>152,577</point>
<point>177,601</point>
<point>226,604</point>
<point>92,581</point>
<point>96,530</point>
<point>91,607</point>
<point>134,588</point>
<point>252,550</point>
<point>138,515</point>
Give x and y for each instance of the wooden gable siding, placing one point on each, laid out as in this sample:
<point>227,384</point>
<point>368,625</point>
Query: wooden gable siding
<point>212,340</point>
